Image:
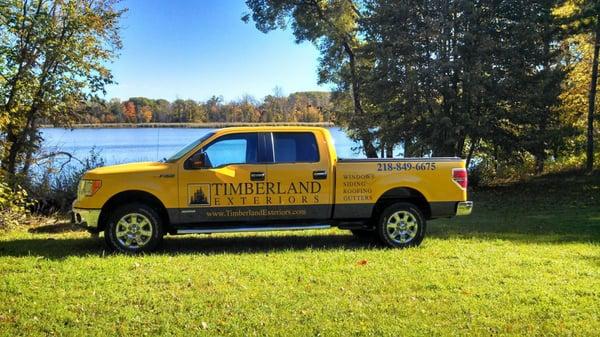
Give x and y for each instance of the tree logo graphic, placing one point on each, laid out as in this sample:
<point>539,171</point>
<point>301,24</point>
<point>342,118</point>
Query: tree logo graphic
<point>199,194</point>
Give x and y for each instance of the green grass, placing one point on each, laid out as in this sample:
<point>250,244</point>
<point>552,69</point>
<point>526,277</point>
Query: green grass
<point>527,262</point>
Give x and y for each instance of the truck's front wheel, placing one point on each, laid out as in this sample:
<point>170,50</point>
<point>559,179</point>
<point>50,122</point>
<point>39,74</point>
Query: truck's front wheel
<point>401,225</point>
<point>134,228</point>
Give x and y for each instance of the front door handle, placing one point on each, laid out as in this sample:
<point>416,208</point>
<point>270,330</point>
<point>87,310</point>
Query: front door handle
<point>257,176</point>
<point>319,174</point>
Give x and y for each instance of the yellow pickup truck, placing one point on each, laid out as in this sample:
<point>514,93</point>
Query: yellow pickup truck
<point>269,178</point>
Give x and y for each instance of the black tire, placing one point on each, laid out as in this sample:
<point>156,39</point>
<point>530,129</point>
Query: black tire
<point>139,222</point>
<point>410,226</point>
<point>363,234</point>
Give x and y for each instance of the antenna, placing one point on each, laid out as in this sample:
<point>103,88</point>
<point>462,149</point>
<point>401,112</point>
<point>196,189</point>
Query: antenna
<point>157,142</point>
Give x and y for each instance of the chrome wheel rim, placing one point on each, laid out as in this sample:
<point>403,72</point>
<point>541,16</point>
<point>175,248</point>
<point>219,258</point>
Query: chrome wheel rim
<point>402,227</point>
<point>134,230</point>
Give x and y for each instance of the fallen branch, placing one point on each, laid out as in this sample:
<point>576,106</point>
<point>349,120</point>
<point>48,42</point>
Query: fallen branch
<point>59,153</point>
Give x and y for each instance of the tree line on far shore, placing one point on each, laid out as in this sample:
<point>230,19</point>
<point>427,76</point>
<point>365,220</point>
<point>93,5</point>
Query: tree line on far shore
<point>297,107</point>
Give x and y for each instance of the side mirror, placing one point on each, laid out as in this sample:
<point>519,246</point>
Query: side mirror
<point>198,161</point>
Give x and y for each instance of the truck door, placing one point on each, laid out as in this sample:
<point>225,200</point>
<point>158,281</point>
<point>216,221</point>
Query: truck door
<point>226,187</point>
<point>299,184</point>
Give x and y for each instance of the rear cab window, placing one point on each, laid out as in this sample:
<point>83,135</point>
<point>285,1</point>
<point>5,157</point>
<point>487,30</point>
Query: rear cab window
<point>295,147</point>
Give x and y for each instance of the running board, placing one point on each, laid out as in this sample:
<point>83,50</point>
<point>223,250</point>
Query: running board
<point>249,229</point>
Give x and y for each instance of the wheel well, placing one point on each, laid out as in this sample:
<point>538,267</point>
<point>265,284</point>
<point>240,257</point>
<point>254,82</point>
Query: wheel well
<point>405,194</point>
<point>126,197</point>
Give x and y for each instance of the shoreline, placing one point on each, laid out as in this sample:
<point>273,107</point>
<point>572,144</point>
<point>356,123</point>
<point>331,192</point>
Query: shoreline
<point>211,125</point>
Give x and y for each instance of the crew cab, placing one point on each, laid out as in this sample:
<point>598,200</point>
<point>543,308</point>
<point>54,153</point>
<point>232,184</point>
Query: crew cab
<point>269,178</point>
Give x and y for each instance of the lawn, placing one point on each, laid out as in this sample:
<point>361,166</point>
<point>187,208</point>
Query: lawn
<point>527,261</point>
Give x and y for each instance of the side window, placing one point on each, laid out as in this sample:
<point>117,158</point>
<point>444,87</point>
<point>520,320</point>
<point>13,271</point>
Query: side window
<point>238,148</point>
<point>295,147</point>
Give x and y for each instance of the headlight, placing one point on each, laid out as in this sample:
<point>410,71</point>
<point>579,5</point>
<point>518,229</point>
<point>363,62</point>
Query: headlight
<point>88,188</point>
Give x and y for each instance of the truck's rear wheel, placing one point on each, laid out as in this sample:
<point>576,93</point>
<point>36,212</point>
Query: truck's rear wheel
<point>401,225</point>
<point>134,228</point>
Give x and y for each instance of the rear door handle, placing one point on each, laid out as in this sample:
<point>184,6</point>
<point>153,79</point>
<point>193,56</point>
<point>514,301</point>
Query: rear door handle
<point>257,176</point>
<point>320,174</point>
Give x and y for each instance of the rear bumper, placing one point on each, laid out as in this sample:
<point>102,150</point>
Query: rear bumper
<point>464,208</point>
<point>86,217</point>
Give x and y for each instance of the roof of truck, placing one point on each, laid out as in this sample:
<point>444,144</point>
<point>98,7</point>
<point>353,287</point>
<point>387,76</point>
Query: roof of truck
<point>268,128</point>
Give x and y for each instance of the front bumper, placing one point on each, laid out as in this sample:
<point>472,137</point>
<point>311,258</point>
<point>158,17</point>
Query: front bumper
<point>464,208</point>
<point>86,217</point>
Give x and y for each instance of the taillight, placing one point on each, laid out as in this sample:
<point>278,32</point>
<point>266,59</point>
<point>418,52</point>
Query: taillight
<point>459,175</point>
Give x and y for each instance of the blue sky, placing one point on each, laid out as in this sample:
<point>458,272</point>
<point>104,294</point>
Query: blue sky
<point>196,49</point>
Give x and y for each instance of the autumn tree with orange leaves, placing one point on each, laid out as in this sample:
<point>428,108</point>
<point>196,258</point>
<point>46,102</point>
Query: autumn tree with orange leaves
<point>129,112</point>
<point>146,114</point>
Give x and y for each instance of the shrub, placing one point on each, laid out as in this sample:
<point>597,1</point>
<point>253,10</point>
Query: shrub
<point>54,186</point>
<point>14,205</point>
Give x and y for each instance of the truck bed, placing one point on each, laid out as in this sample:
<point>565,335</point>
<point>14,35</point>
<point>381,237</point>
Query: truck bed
<point>362,183</point>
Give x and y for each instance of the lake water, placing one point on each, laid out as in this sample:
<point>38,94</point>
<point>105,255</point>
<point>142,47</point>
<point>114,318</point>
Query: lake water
<point>147,144</point>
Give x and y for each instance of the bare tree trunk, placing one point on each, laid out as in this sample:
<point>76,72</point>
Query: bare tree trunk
<point>29,155</point>
<point>389,150</point>
<point>592,103</point>
<point>539,164</point>
<point>406,146</point>
<point>10,162</point>
<point>460,146</point>
<point>17,141</point>
<point>365,136</point>
<point>472,148</point>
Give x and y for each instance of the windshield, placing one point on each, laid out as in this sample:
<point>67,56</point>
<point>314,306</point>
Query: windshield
<point>188,148</point>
